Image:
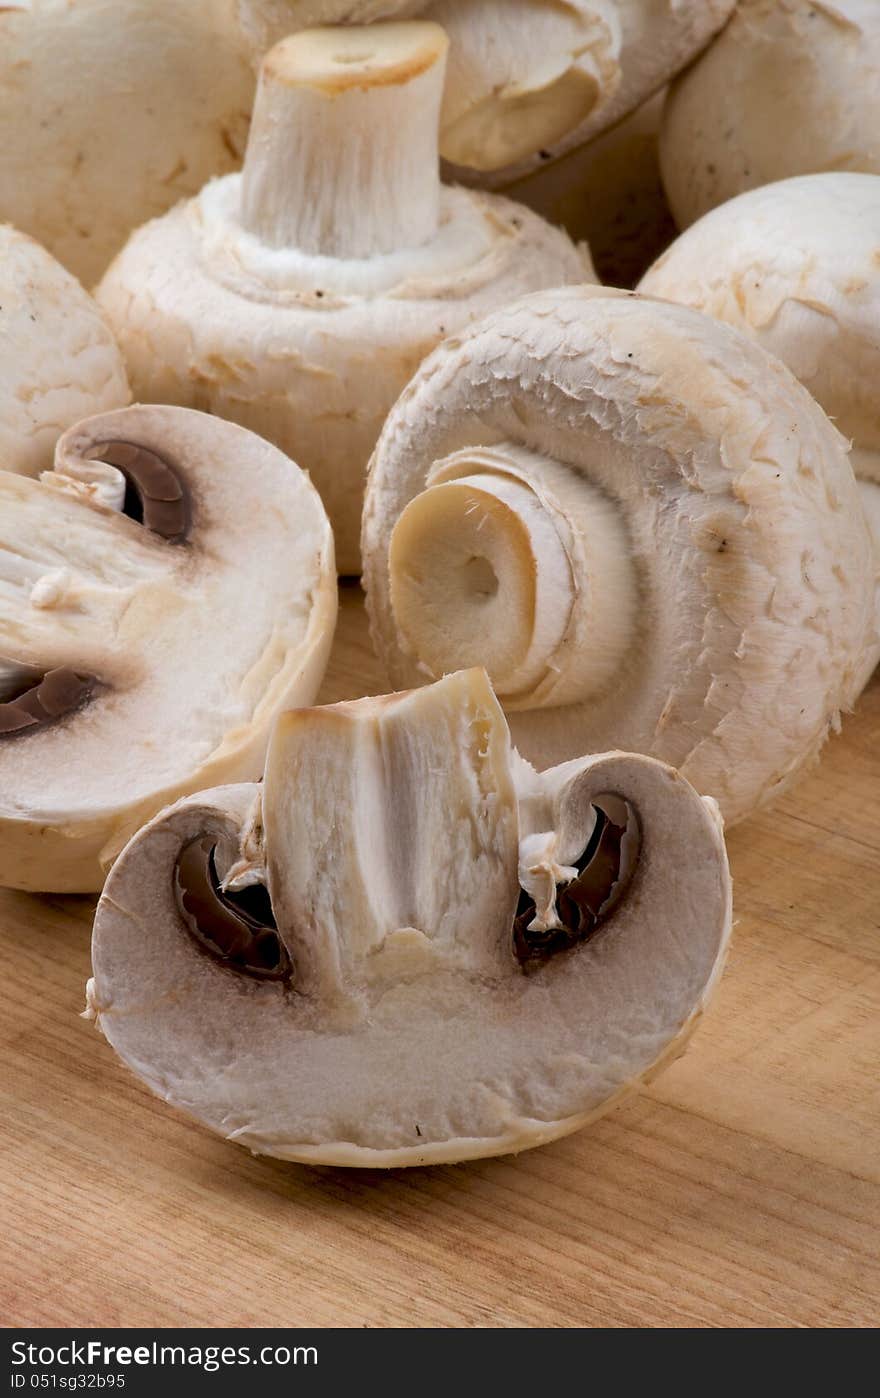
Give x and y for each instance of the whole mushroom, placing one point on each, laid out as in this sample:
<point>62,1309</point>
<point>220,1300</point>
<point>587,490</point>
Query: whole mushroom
<point>408,946</point>
<point>164,592</point>
<point>59,360</point>
<point>790,87</point>
<point>641,524</point>
<point>299,297</point>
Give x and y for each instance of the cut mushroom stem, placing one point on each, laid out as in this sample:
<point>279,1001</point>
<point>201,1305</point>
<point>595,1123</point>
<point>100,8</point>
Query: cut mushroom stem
<point>509,560</point>
<point>342,159</point>
<point>353,879</point>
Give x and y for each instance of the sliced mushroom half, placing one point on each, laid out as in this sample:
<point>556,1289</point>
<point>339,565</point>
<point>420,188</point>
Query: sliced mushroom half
<point>408,946</point>
<point>164,593</point>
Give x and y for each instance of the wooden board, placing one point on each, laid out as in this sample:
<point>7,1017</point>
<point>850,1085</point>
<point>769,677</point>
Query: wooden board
<point>742,1189</point>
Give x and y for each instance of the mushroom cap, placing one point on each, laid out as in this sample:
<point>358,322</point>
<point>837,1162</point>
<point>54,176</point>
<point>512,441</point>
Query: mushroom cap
<point>312,351</point>
<point>111,110</point>
<point>753,559</point>
<point>428,1041</point>
<point>790,87</point>
<point>796,265</point>
<point>190,646</point>
<point>60,362</point>
<point>659,38</point>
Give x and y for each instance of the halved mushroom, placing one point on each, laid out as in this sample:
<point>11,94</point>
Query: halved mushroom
<point>59,360</point>
<point>641,524</point>
<point>529,80</point>
<point>790,87</point>
<point>408,946</point>
<point>163,594</point>
<point>299,297</point>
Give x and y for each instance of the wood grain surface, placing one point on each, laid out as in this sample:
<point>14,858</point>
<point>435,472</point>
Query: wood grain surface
<point>741,1189</point>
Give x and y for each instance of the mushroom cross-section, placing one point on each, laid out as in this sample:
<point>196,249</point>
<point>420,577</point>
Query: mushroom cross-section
<point>164,593</point>
<point>641,524</point>
<point>408,946</point>
<point>299,297</point>
<point>58,360</point>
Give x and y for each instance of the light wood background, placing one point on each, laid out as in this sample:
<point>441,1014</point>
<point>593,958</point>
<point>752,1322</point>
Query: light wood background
<point>742,1189</point>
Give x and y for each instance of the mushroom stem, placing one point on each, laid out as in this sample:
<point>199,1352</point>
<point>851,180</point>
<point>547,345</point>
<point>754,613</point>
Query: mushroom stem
<point>514,562</point>
<point>342,159</point>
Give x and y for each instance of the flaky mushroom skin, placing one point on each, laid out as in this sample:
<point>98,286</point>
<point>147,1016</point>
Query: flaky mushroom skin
<point>59,360</point>
<point>191,630</point>
<point>790,87</point>
<point>750,558</point>
<point>796,266</point>
<point>412,1045</point>
<point>286,335</point>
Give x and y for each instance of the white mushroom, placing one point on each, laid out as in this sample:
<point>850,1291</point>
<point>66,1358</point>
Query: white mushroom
<point>59,360</point>
<point>163,594</point>
<point>299,297</point>
<point>111,110</point>
<point>343,967</point>
<point>641,524</point>
<point>531,79</point>
<point>796,265</point>
<point>790,87</point>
